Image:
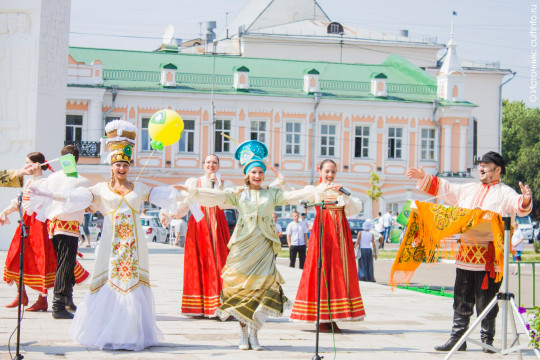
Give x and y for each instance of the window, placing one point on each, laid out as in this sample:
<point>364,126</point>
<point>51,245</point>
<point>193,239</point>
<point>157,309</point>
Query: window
<point>394,142</point>
<point>292,138</point>
<point>145,136</point>
<point>392,206</point>
<point>74,127</point>
<point>328,140</point>
<point>475,139</point>
<point>334,28</point>
<point>222,143</point>
<point>258,131</point>
<point>286,211</point>
<point>186,143</point>
<point>427,144</point>
<point>361,142</point>
<point>108,119</point>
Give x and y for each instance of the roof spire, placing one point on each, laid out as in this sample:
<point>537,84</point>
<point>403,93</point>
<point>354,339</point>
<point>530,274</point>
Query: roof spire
<point>451,64</point>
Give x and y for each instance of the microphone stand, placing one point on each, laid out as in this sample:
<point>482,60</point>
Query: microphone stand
<point>321,205</point>
<point>24,235</point>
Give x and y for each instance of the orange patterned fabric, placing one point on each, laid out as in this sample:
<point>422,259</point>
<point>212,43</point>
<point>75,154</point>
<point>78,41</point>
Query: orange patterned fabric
<point>70,228</point>
<point>429,224</point>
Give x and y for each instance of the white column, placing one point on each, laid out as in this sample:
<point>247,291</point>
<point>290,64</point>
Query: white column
<point>94,120</point>
<point>447,148</point>
<point>462,149</point>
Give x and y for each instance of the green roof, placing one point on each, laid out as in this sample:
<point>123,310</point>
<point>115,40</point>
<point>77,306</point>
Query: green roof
<point>378,76</point>
<point>168,66</point>
<point>240,69</point>
<point>140,71</point>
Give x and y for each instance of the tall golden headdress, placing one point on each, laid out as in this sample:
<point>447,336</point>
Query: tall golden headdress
<point>120,140</point>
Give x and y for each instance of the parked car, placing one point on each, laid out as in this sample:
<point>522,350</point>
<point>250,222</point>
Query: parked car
<point>356,226</point>
<point>153,230</point>
<point>95,232</point>
<point>526,227</point>
<point>152,213</point>
<point>283,222</point>
<point>97,220</point>
<point>232,217</point>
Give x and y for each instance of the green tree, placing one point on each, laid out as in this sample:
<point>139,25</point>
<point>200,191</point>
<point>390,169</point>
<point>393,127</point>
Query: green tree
<point>521,148</point>
<point>375,191</point>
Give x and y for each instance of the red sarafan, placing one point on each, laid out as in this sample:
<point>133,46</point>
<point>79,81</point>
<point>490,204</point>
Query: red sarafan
<point>340,290</point>
<point>205,254</point>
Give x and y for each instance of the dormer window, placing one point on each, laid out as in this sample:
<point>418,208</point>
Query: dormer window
<point>335,28</point>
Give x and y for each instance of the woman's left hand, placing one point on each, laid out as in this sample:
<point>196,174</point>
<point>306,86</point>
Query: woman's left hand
<point>180,187</point>
<point>275,171</point>
<point>334,187</point>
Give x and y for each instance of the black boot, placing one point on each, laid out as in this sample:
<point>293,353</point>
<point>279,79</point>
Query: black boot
<point>70,305</point>
<point>59,308</point>
<point>461,323</point>
<point>487,333</point>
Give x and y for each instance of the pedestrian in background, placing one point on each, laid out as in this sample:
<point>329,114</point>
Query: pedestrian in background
<point>387,223</point>
<point>297,240</point>
<point>517,244</point>
<point>365,243</point>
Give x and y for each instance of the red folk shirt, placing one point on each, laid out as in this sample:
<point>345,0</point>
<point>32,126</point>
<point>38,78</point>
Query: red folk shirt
<point>496,197</point>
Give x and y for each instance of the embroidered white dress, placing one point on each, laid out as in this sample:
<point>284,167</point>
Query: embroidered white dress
<point>118,310</point>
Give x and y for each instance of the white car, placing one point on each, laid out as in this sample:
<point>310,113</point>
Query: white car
<point>526,227</point>
<point>153,230</point>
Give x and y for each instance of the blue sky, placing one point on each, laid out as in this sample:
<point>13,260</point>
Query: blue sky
<point>485,30</point>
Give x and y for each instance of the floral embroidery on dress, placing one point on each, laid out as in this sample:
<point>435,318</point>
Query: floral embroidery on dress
<point>124,263</point>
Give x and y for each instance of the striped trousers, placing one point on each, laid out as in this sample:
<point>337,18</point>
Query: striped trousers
<point>66,257</point>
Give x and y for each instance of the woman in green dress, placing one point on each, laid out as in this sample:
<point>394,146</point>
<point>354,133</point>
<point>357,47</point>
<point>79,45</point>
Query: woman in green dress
<point>251,283</point>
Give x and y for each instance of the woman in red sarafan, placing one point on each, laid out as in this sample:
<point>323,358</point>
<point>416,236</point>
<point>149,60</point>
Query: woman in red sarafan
<point>340,291</point>
<point>205,251</point>
<point>39,255</point>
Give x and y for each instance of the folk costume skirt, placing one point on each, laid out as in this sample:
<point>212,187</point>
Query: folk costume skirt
<point>205,254</point>
<point>39,258</point>
<point>251,283</point>
<point>340,292</point>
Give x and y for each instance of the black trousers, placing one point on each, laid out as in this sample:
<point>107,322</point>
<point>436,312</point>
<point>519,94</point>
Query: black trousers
<point>301,251</point>
<point>468,293</point>
<point>66,257</point>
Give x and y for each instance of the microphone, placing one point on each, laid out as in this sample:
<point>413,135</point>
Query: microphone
<point>344,191</point>
<point>213,184</point>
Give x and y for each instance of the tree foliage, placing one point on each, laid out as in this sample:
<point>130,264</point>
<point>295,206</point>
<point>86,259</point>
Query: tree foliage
<point>521,148</point>
<point>375,191</point>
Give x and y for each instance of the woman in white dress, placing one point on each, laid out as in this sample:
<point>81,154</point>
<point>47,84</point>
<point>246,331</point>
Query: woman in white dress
<point>118,310</point>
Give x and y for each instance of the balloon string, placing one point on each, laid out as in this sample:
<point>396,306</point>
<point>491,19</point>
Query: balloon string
<point>147,159</point>
<point>230,138</point>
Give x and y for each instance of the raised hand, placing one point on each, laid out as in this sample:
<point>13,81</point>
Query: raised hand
<point>28,169</point>
<point>417,173</point>
<point>275,171</point>
<point>180,187</point>
<point>527,194</point>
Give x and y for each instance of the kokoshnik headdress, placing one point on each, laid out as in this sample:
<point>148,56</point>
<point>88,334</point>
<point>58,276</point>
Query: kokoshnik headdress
<point>251,154</point>
<point>120,140</point>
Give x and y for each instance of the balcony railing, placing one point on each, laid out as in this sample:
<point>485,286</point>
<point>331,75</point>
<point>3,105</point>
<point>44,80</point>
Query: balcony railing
<point>86,148</point>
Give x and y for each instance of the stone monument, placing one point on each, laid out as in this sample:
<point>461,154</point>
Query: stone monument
<point>34,41</point>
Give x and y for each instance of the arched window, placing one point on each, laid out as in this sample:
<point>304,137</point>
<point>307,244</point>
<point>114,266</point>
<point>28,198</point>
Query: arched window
<point>334,28</point>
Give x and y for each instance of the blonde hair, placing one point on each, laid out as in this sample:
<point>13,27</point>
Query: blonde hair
<point>246,179</point>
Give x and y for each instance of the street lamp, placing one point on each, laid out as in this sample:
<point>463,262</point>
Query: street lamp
<point>212,106</point>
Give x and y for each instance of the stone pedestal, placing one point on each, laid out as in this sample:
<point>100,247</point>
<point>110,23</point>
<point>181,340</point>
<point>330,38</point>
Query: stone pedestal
<point>34,41</point>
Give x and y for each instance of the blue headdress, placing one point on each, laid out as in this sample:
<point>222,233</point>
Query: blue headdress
<point>251,154</point>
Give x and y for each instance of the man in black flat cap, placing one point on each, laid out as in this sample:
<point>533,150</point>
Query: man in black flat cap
<point>475,258</point>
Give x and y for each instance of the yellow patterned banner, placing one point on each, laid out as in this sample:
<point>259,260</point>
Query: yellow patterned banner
<point>429,224</point>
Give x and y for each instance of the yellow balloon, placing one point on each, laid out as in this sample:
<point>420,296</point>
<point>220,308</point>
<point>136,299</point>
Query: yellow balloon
<point>166,126</point>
